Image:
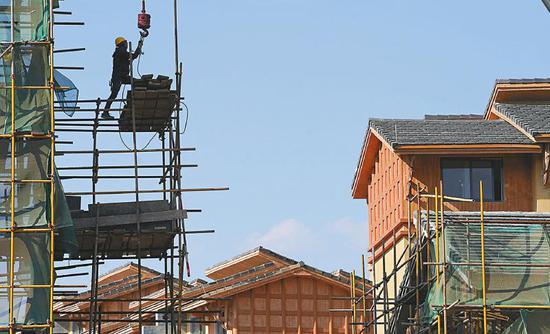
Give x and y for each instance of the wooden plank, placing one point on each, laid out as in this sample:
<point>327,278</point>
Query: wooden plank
<point>148,217</point>
<point>113,209</point>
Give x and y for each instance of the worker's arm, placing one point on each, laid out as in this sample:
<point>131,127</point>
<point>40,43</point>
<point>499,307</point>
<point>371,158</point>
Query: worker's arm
<point>138,49</point>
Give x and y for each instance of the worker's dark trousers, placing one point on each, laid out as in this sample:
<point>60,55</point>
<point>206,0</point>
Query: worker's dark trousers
<point>115,89</point>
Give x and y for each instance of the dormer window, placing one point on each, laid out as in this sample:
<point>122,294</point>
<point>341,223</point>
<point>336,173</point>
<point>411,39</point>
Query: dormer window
<point>461,178</point>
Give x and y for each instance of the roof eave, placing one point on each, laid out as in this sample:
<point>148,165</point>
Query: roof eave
<point>282,273</point>
<point>524,91</point>
<point>469,149</point>
<point>371,144</point>
<point>542,137</point>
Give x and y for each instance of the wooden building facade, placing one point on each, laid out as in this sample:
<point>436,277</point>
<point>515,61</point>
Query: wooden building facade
<point>265,292</point>
<point>258,292</point>
<point>507,148</point>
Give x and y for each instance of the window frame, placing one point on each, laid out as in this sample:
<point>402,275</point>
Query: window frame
<point>495,161</point>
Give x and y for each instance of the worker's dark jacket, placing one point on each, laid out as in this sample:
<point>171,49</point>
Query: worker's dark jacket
<point>121,63</point>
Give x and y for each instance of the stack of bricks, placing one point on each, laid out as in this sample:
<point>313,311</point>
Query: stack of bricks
<point>153,105</point>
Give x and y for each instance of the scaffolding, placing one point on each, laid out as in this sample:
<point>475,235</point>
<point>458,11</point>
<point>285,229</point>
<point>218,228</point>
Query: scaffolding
<point>460,272</point>
<point>41,226</point>
<point>29,183</point>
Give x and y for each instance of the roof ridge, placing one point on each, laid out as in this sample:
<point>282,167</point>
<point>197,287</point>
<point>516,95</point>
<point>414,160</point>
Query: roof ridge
<point>117,268</point>
<point>248,252</point>
<point>478,120</point>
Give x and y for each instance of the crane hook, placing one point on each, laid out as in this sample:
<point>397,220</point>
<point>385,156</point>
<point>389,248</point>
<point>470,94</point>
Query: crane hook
<point>144,21</point>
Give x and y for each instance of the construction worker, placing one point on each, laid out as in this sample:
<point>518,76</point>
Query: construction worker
<point>121,71</point>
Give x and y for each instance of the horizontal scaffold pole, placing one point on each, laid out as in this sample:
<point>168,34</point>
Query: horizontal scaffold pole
<point>151,191</point>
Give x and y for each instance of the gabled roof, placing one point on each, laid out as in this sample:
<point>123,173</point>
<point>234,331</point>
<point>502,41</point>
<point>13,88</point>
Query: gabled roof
<point>126,270</point>
<point>454,134</point>
<point>398,132</point>
<point>265,278</point>
<point>247,279</point>
<point>523,103</point>
<point>532,118</point>
<point>252,258</point>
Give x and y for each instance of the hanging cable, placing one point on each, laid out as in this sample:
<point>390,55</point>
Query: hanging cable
<point>120,134</point>
<point>119,116</point>
<point>138,64</point>
<point>186,118</point>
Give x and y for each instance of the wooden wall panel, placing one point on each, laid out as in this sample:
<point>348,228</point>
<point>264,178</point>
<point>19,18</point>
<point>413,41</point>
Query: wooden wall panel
<point>518,195</point>
<point>388,188</point>
<point>387,191</point>
<point>294,305</point>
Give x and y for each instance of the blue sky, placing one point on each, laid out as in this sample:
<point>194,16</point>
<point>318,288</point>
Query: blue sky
<point>280,93</point>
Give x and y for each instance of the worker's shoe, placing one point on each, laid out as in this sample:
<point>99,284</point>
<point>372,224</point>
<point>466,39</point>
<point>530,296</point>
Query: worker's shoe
<point>106,115</point>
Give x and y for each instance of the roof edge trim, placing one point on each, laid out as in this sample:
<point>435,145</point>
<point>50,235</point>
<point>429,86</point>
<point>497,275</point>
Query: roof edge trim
<point>468,149</point>
<point>373,141</point>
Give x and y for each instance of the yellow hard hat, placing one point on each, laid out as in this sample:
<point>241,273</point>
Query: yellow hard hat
<point>119,40</point>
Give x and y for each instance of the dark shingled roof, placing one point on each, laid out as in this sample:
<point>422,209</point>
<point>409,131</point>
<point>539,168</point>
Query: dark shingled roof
<point>523,81</point>
<point>430,117</point>
<point>447,132</point>
<point>533,118</point>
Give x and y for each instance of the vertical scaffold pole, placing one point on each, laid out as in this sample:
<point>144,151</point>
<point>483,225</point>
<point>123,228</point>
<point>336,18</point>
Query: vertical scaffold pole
<point>353,302</point>
<point>437,268</point>
<point>51,224</point>
<point>375,293</point>
<point>95,269</point>
<point>483,278</point>
<point>427,274</point>
<point>12,183</point>
<point>444,269</point>
<point>394,272</point>
<point>363,292</point>
<point>171,156</point>
<point>409,235</point>
<point>384,287</point>
<point>417,260</point>
<point>136,184</point>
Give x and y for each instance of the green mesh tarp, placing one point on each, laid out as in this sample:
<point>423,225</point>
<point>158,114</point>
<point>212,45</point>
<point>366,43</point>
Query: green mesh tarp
<point>505,247</point>
<point>30,103</point>
<point>32,265</point>
<point>31,19</point>
<point>32,106</point>
<point>66,93</point>
<point>530,322</point>
<point>32,200</point>
<point>32,209</point>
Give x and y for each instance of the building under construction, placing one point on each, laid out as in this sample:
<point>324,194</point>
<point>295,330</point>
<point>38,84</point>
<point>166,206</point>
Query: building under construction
<point>459,207</point>
<point>258,291</point>
<point>120,207</point>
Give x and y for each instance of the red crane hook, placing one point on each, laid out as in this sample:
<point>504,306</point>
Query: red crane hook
<point>144,20</point>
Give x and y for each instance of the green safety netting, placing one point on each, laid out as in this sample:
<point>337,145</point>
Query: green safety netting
<point>506,284</point>
<point>32,106</point>
<point>32,205</point>
<point>32,200</point>
<point>31,19</point>
<point>32,209</point>
<point>32,265</point>
<point>530,322</point>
